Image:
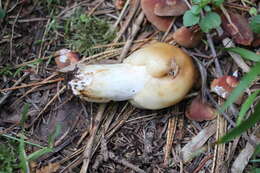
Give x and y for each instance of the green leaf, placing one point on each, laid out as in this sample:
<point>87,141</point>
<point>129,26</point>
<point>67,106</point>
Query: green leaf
<point>52,137</point>
<point>210,21</point>
<point>245,125</point>
<point>207,8</point>
<point>257,151</point>
<point>255,170</point>
<point>243,84</point>
<point>217,2</point>
<point>35,155</point>
<point>246,105</point>
<point>247,54</point>
<point>24,114</point>
<point>253,11</point>
<point>23,157</point>
<point>189,19</point>
<point>255,24</point>
<point>2,13</point>
<point>195,9</point>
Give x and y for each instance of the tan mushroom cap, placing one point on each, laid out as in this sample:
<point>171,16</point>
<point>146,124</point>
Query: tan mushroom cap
<point>164,88</point>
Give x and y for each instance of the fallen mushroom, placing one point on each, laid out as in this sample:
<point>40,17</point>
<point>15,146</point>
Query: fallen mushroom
<point>224,85</point>
<point>199,110</point>
<point>154,77</point>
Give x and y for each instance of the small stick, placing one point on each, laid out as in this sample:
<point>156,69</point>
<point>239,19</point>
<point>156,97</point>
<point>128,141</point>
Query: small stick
<point>94,9</point>
<point>33,84</point>
<point>122,13</point>
<point>136,28</point>
<point>89,147</point>
<point>170,134</point>
<point>203,162</point>
<point>47,105</point>
<point>124,162</point>
<point>2,100</point>
<point>128,20</point>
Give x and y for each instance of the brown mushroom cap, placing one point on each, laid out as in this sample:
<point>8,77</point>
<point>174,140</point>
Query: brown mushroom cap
<point>200,111</point>
<point>170,8</point>
<point>224,85</point>
<point>161,23</point>
<point>187,38</point>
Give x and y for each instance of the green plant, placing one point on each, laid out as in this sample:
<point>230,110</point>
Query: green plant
<point>82,33</point>
<point>211,19</point>
<point>248,78</point>
<point>255,24</point>
<point>24,158</point>
<point>8,159</point>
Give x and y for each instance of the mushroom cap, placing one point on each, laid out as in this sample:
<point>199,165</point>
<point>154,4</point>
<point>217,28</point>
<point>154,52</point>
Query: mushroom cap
<point>173,75</point>
<point>161,23</point>
<point>170,8</point>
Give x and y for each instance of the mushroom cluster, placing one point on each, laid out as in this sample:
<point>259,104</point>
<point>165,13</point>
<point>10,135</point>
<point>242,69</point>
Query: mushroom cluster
<point>154,77</point>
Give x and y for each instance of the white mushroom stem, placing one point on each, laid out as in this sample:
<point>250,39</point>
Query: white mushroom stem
<point>153,77</point>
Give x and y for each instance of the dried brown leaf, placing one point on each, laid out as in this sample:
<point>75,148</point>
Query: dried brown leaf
<point>239,29</point>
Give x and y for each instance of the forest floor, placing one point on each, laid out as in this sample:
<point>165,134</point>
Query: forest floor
<point>45,128</point>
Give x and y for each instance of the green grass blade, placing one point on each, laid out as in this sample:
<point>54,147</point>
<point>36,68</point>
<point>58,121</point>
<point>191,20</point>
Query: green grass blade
<point>35,155</point>
<point>246,105</point>
<point>247,54</point>
<point>52,137</point>
<point>24,114</point>
<point>23,157</point>
<point>243,84</point>
<point>238,130</point>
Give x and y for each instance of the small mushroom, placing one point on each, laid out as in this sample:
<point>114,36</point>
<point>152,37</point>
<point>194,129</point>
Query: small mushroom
<point>154,77</point>
<point>224,85</point>
<point>199,110</point>
<point>65,57</point>
<point>187,37</point>
<point>170,8</point>
<point>161,23</point>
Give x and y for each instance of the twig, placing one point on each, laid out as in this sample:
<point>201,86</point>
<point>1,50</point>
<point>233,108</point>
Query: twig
<point>124,162</point>
<point>214,54</point>
<point>88,150</point>
<point>12,34</point>
<point>94,9</point>
<point>32,89</point>
<point>122,13</point>
<point>33,84</point>
<point>2,100</point>
<point>136,28</point>
<point>128,20</point>
<point>203,162</point>
<point>47,105</point>
<point>170,134</point>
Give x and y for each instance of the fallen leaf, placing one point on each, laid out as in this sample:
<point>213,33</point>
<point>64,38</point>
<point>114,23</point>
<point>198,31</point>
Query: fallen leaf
<point>240,30</point>
<point>50,168</point>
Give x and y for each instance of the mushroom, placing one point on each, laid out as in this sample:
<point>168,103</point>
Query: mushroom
<point>65,57</point>
<point>224,85</point>
<point>154,77</point>
<point>187,37</point>
<point>161,23</point>
<point>170,8</point>
<point>200,110</point>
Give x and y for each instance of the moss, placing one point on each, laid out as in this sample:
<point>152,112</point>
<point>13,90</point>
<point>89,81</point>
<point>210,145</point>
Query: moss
<point>82,33</point>
<point>8,153</point>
